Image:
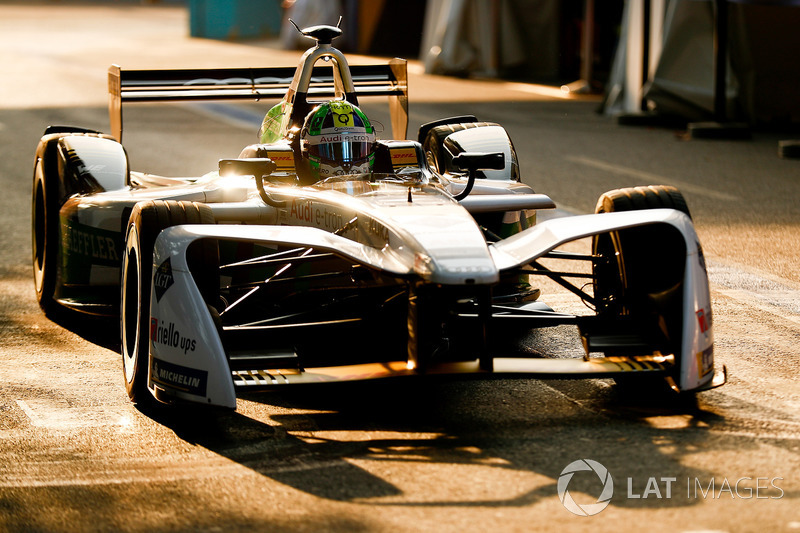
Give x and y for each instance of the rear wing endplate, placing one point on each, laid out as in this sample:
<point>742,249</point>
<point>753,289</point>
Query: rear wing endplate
<point>253,84</point>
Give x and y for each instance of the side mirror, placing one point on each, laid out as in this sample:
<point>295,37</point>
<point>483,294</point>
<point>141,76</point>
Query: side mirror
<point>474,161</point>
<point>258,167</point>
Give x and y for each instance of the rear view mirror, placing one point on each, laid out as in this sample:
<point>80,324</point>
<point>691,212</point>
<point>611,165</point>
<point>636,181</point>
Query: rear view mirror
<point>480,161</point>
<point>474,161</point>
<point>257,167</point>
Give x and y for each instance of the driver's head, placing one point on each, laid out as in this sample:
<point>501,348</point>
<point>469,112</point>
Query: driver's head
<point>337,139</point>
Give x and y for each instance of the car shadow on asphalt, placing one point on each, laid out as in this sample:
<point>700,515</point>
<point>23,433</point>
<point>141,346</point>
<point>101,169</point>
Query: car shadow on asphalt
<point>360,442</point>
<point>337,441</point>
<point>100,330</point>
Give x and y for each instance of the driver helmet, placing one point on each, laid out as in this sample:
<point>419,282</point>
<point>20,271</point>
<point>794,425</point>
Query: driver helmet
<point>337,139</point>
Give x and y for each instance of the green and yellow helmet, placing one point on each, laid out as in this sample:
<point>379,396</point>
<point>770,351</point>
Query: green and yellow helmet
<point>337,139</point>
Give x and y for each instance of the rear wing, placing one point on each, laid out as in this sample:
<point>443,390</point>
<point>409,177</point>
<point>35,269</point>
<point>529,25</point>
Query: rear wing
<point>253,84</point>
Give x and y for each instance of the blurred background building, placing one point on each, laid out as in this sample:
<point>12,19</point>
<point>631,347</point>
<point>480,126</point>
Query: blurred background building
<point>646,56</point>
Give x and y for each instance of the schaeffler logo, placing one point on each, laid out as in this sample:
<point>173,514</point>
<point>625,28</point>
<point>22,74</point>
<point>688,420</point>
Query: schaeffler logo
<point>587,509</point>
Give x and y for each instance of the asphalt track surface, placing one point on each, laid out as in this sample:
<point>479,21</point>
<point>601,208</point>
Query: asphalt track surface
<point>421,455</point>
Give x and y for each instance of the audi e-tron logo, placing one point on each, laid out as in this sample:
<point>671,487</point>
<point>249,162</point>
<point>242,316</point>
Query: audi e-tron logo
<point>586,509</point>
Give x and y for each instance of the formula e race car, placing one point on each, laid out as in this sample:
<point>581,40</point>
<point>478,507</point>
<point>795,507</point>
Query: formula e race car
<point>324,254</point>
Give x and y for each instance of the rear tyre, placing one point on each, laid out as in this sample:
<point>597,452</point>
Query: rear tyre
<point>45,228</point>
<point>433,145</point>
<point>639,273</point>
<point>147,220</point>
<point>50,190</point>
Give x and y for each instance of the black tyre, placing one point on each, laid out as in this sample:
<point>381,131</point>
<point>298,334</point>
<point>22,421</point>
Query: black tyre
<point>45,234</point>
<point>635,198</point>
<point>637,262</point>
<point>639,271</point>
<point>147,220</point>
<point>50,190</point>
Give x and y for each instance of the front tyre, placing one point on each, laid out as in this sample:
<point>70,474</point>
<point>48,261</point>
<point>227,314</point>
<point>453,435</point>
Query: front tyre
<point>147,220</point>
<point>639,275</point>
<point>637,263</point>
<point>135,297</point>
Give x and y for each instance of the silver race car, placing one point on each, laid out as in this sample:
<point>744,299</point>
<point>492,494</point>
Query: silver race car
<point>325,254</point>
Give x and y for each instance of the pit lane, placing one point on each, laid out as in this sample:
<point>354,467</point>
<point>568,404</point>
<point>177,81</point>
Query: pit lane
<point>443,455</point>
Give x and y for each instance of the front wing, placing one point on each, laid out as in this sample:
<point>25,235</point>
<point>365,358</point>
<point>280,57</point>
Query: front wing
<point>188,361</point>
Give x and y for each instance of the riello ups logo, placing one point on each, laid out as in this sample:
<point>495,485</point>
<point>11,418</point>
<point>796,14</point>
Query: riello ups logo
<point>168,335</point>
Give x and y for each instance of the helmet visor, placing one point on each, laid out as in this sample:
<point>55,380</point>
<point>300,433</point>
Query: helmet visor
<point>342,147</point>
